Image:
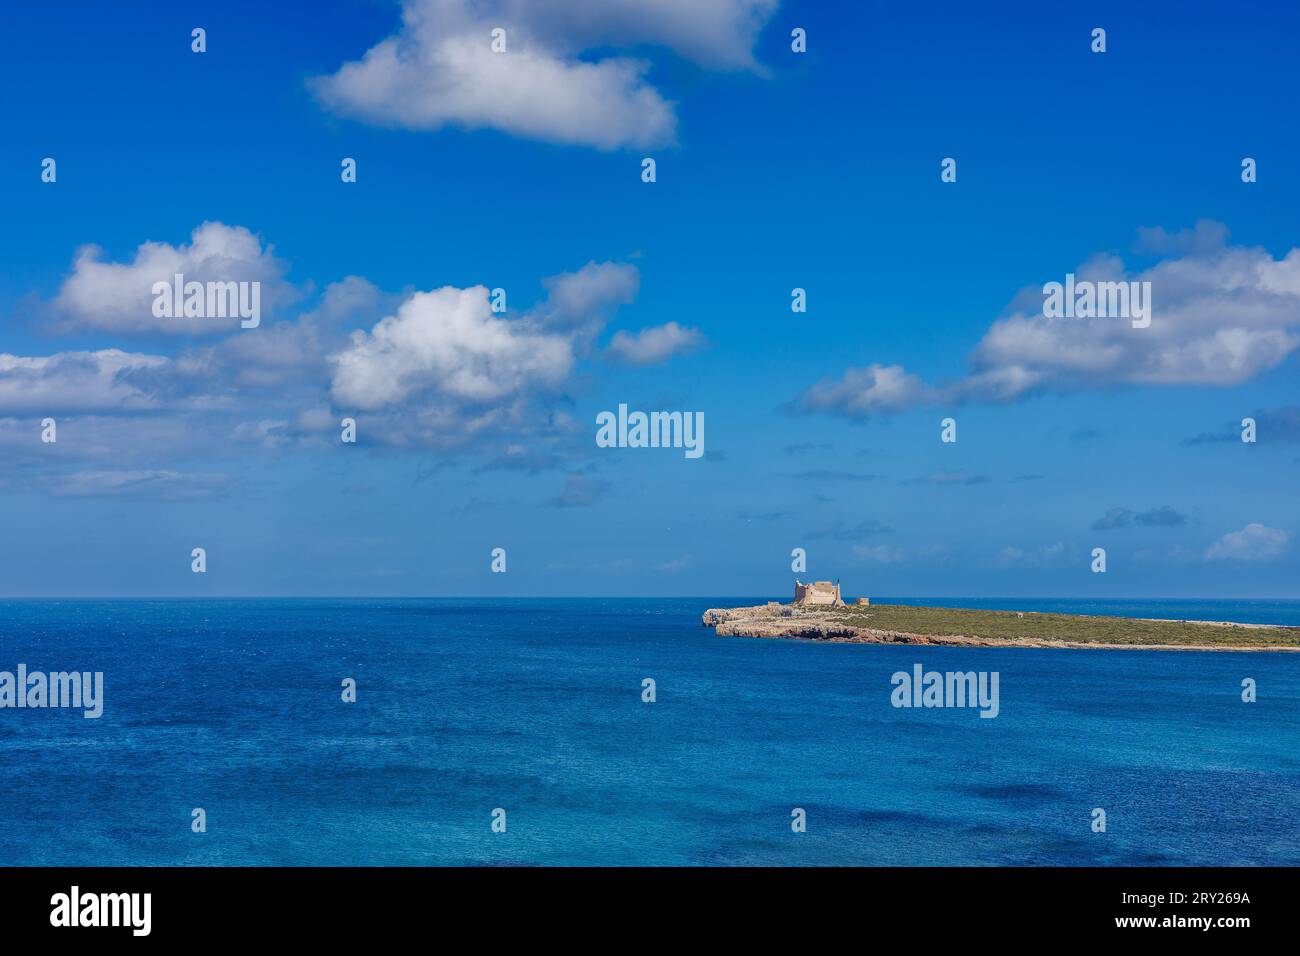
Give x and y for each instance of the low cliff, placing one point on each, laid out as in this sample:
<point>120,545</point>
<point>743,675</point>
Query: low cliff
<point>960,627</point>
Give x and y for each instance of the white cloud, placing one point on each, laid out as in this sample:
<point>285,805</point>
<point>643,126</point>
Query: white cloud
<point>447,340</point>
<point>1221,315</point>
<point>655,344</point>
<point>580,303</point>
<point>118,296</point>
<point>71,381</point>
<point>1255,542</point>
<point>712,33</point>
<point>449,347</point>
<point>288,352</point>
<point>862,392</point>
<point>439,69</point>
<point>443,368</point>
<point>112,440</point>
<point>162,484</point>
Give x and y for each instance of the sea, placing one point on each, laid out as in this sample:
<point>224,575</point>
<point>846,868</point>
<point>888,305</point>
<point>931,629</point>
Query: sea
<point>501,732</point>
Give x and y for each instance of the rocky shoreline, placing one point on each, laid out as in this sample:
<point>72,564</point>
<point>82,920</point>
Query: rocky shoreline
<point>853,626</point>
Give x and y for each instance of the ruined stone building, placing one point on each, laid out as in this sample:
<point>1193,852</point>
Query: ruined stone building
<point>817,592</point>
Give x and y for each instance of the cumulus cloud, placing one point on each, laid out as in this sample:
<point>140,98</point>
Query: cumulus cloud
<point>579,304</point>
<point>449,346</point>
<point>447,340</point>
<point>558,80</point>
<point>862,392</point>
<point>289,352</point>
<point>119,297</point>
<point>653,345</point>
<point>1255,542</point>
<point>1221,315</point>
<point>417,368</point>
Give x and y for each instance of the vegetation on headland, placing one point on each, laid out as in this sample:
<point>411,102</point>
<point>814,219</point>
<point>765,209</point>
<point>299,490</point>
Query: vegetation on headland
<point>896,623</point>
<point>1091,629</point>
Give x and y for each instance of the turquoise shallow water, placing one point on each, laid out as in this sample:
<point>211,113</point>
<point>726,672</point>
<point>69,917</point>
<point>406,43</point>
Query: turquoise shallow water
<point>535,706</point>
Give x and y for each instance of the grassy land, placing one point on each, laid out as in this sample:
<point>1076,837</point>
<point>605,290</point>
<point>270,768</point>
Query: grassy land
<point>1007,625</point>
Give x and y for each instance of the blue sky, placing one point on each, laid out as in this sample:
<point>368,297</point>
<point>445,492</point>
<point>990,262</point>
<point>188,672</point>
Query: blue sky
<point>775,170</point>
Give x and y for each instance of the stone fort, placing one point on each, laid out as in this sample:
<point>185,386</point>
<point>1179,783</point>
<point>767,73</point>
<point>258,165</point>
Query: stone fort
<point>817,592</point>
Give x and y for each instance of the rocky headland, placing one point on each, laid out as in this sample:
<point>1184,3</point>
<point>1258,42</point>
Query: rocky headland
<point>960,627</point>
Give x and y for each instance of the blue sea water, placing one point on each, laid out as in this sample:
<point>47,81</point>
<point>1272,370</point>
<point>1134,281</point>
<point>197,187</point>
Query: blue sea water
<point>534,706</point>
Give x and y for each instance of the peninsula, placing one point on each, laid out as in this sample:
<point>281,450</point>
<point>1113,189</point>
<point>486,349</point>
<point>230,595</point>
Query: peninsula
<point>819,613</point>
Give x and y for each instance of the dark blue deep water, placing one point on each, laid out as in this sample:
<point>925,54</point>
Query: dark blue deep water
<point>534,706</point>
